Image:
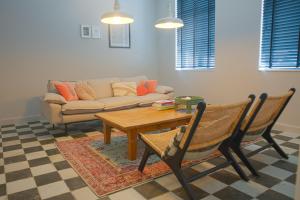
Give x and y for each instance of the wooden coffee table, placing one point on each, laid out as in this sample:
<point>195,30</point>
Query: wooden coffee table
<point>138,120</point>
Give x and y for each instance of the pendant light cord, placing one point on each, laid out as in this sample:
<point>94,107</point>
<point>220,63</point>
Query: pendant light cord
<point>117,5</point>
<point>169,8</point>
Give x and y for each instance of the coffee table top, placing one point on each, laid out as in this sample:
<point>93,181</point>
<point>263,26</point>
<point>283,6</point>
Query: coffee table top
<point>139,117</point>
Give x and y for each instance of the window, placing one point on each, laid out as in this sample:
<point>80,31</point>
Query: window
<point>280,37</point>
<point>195,42</point>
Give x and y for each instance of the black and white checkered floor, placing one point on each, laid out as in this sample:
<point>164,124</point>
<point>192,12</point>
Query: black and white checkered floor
<point>32,168</point>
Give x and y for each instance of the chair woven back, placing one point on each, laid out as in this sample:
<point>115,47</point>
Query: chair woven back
<point>216,125</point>
<point>267,113</point>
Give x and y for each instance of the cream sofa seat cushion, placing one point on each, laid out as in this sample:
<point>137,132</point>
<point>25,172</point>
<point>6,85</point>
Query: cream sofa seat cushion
<point>102,87</point>
<point>150,98</point>
<point>117,103</point>
<point>82,107</point>
<point>124,89</point>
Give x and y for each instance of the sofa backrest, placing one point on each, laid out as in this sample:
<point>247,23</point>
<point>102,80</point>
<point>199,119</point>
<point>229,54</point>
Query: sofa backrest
<point>136,79</point>
<point>102,86</point>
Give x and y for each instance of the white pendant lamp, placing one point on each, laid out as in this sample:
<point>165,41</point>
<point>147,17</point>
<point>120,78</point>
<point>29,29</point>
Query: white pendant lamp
<point>169,22</point>
<point>116,16</point>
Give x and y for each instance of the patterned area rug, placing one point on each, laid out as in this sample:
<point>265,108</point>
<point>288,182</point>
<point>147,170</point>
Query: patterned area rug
<point>105,168</point>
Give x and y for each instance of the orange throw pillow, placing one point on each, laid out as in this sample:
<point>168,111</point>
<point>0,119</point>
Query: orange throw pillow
<point>66,90</point>
<point>151,86</point>
<point>146,87</point>
<point>141,89</point>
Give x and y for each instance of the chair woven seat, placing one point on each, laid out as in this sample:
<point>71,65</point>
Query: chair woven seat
<point>159,141</point>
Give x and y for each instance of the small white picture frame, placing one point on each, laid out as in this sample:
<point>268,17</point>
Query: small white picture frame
<point>86,31</point>
<point>96,32</point>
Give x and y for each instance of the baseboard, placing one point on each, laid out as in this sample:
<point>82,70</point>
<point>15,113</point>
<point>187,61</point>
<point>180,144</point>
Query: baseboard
<point>20,120</point>
<point>287,127</point>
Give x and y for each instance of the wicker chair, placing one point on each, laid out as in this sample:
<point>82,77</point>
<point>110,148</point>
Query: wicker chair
<point>210,129</point>
<point>259,123</point>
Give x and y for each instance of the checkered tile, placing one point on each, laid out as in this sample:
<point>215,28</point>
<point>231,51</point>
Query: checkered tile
<point>32,168</point>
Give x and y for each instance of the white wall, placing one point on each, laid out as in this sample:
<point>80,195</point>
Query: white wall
<point>237,52</point>
<point>40,40</point>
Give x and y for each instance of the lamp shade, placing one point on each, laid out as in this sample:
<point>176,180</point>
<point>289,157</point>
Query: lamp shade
<point>116,16</point>
<point>169,23</point>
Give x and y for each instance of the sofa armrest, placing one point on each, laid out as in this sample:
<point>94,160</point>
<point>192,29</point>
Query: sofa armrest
<point>164,89</point>
<point>54,98</point>
<point>52,112</point>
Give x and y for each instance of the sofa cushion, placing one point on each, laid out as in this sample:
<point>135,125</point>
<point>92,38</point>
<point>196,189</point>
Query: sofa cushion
<point>136,79</point>
<point>124,89</point>
<point>85,91</point>
<point>82,107</point>
<point>141,89</point>
<point>51,87</point>
<point>54,98</point>
<point>164,89</point>
<point>146,87</point>
<point>151,85</point>
<point>148,99</point>
<point>118,103</point>
<point>102,87</point>
<point>67,90</point>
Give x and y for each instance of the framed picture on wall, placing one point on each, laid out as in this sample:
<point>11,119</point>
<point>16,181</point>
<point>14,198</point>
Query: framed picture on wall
<point>85,31</point>
<point>119,36</point>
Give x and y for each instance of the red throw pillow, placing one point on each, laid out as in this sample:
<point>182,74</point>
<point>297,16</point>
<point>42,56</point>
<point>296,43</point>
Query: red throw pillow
<point>66,90</point>
<point>151,86</point>
<point>141,89</point>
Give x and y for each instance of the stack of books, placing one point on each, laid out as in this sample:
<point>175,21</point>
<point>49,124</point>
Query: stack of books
<point>164,104</point>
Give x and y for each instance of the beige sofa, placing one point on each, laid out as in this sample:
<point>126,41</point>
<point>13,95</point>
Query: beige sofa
<point>58,111</point>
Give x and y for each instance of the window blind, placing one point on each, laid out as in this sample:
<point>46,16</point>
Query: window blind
<point>195,42</point>
<point>280,37</point>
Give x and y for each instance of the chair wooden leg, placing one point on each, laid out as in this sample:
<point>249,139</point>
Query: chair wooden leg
<point>226,152</point>
<point>179,175</point>
<point>271,141</point>
<point>244,159</point>
<point>143,162</point>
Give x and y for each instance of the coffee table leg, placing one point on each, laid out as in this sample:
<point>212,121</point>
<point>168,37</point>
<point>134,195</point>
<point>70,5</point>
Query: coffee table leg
<point>132,145</point>
<point>107,133</point>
